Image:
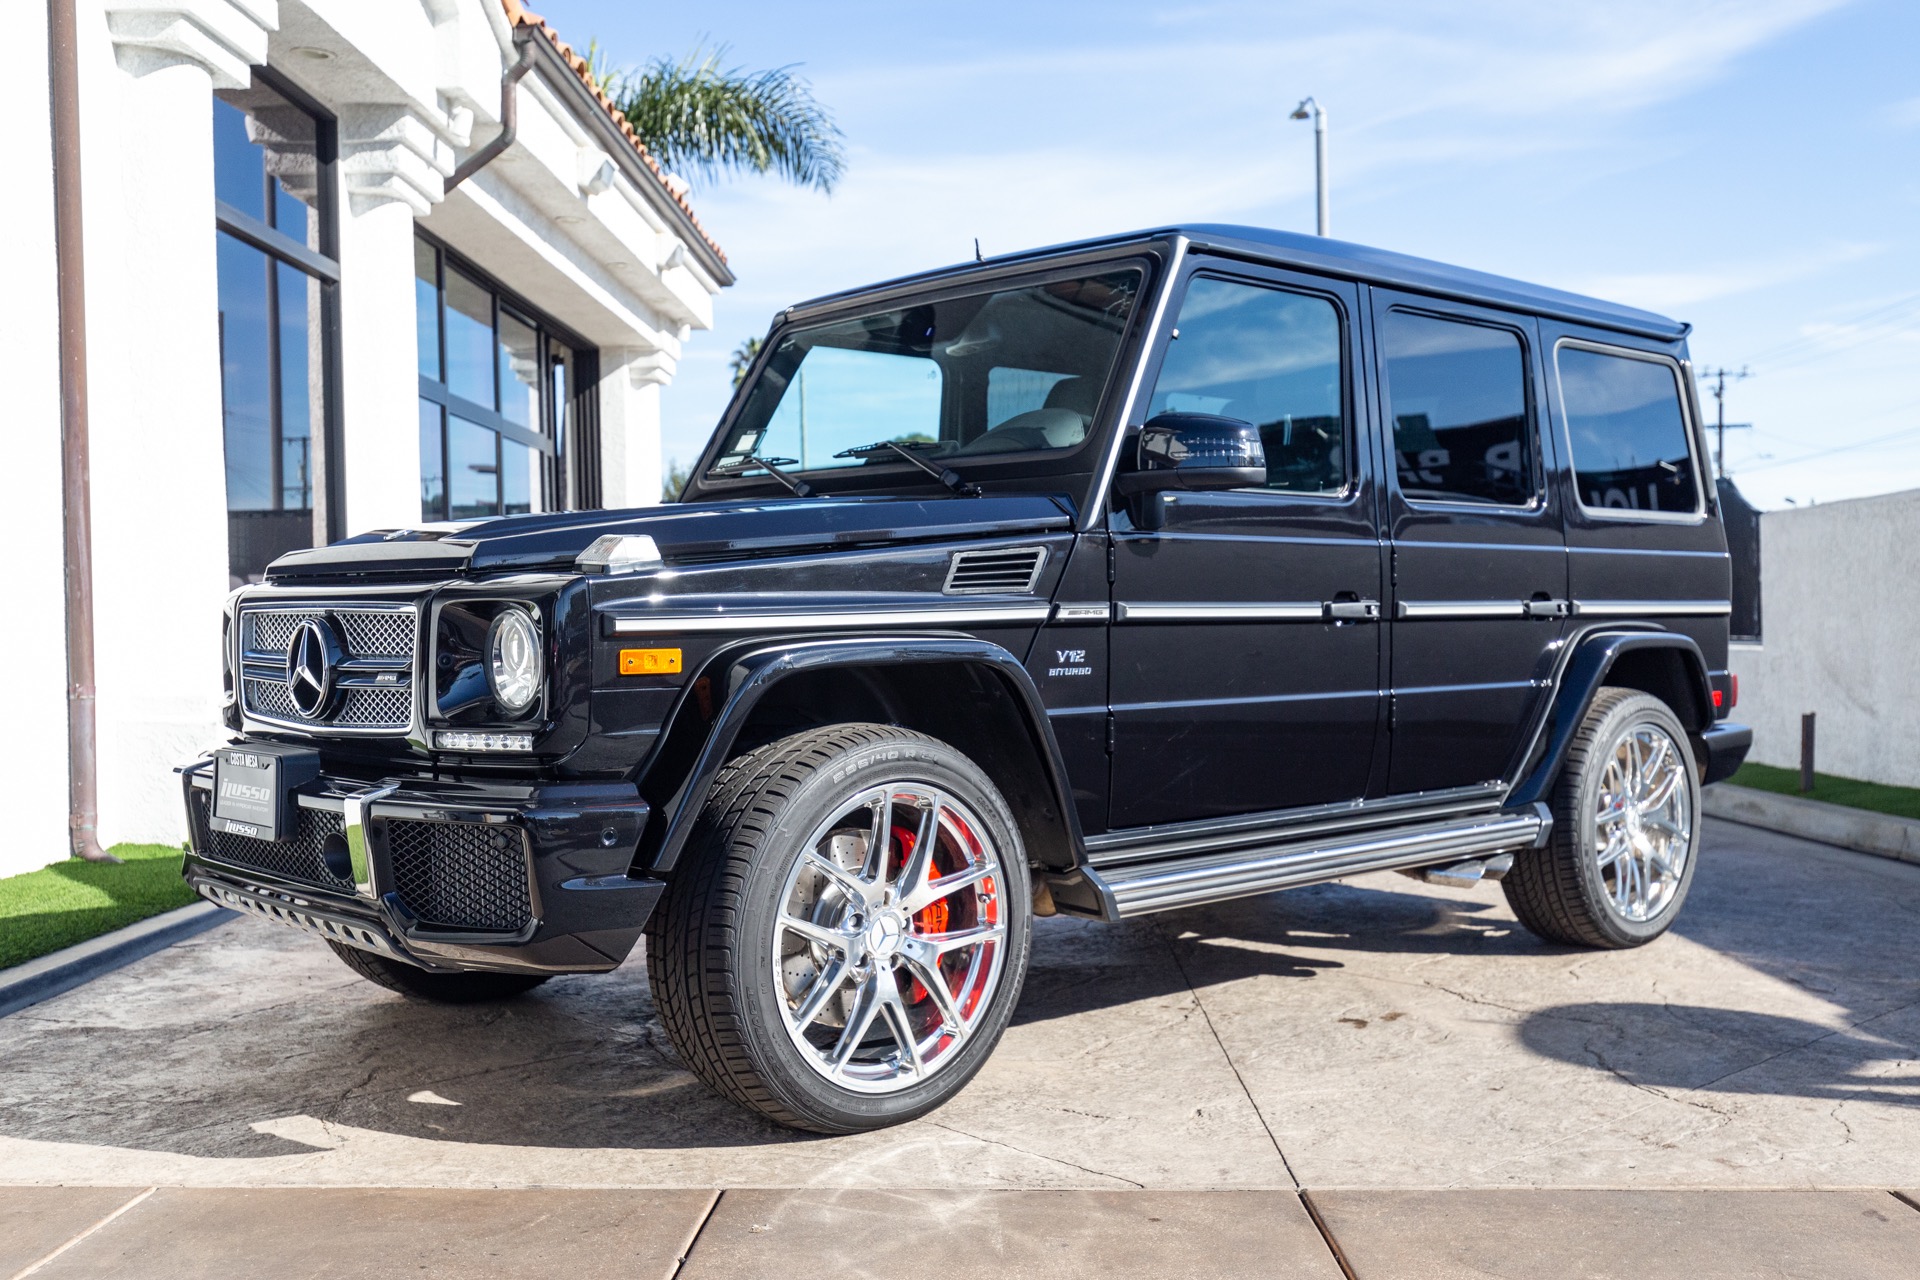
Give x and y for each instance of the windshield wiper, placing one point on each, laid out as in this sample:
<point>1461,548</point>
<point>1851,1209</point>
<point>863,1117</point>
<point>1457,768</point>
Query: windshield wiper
<point>945,475</point>
<point>795,485</point>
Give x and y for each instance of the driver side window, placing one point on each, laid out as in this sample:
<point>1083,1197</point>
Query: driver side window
<point>1269,357</point>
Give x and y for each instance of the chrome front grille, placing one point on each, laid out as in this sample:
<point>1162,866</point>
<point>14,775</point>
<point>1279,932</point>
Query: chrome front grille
<point>372,682</point>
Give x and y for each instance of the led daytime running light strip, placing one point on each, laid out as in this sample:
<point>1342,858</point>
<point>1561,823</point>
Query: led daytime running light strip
<point>461,740</point>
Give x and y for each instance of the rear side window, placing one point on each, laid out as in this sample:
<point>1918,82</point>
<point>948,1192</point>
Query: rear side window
<point>1629,436</point>
<point>1271,358</point>
<point>1458,394</point>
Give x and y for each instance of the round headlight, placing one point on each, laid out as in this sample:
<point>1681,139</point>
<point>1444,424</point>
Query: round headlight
<point>513,660</point>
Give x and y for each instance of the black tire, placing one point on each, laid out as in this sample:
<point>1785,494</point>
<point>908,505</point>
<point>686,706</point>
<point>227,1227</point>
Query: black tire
<point>711,944</point>
<point>1559,892</point>
<point>435,988</point>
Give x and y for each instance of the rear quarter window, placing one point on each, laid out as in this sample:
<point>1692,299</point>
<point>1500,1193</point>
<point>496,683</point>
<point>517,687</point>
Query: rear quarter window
<point>1631,447</point>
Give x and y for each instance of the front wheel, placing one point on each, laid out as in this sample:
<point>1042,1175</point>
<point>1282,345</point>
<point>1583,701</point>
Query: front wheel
<point>847,932</point>
<point>1626,830</point>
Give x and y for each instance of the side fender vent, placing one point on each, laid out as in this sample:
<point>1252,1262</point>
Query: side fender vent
<point>1002,569</point>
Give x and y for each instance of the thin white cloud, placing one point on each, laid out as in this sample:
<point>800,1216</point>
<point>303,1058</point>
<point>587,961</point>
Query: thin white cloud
<point>1666,290</point>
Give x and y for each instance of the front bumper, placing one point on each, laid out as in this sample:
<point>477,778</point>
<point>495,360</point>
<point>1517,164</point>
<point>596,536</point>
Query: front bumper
<point>449,876</point>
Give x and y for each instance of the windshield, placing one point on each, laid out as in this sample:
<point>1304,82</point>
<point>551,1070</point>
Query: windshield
<point>1017,369</point>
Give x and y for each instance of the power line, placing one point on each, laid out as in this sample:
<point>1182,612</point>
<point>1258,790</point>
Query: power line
<point>1890,438</point>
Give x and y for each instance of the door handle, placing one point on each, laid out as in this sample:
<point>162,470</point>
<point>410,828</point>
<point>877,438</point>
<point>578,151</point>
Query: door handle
<point>1350,610</point>
<point>1546,608</point>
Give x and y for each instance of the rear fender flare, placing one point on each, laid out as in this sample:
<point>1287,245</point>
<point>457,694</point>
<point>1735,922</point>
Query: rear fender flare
<point>742,678</point>
<point>1592,657</point>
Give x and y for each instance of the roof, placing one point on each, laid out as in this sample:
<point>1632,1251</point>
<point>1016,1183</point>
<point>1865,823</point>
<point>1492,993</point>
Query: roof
<point>1337,258</point>
<point>520,17</point>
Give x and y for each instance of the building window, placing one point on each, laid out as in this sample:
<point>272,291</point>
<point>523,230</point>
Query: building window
<point>505,399</point>
<point>277,269</point>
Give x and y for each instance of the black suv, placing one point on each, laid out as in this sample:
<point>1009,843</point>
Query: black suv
<point>1103,580</point>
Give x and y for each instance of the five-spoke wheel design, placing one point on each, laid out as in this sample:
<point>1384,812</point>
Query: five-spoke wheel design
<point>888,943</point>
<point>1643,823</point>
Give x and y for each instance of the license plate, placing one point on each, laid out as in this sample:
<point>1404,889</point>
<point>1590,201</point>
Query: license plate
<point>253,788</point>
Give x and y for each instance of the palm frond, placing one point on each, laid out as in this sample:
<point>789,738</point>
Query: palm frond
<point>701,118</point>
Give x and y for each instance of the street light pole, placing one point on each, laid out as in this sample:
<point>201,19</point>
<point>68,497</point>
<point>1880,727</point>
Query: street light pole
<point>1307,104</point>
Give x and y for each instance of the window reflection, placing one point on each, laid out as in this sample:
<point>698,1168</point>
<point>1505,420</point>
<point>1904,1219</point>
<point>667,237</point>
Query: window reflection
<point>1629,435</point>
<point>433,462</point>
<point>1458,396</point>
<point>473,470</point>
<point>272,322</point>
<point>1271,358</point>
<point>497,393</point>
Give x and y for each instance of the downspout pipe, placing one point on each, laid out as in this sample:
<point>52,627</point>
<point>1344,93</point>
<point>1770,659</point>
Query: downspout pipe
<point>509,113</point>
<point>63,80</point>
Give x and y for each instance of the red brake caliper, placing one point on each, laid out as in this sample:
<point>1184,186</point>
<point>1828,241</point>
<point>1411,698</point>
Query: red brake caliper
<point>930,919</point>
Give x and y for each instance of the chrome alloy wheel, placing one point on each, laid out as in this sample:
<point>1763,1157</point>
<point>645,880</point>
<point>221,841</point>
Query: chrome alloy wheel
<point>887,949</point>
<point>1643,823</point>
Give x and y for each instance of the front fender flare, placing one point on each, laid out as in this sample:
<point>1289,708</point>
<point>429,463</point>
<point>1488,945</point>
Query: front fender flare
<point>740,680</point>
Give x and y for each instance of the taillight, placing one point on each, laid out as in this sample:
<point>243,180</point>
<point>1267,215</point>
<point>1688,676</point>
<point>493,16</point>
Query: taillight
<point>1733,692</point>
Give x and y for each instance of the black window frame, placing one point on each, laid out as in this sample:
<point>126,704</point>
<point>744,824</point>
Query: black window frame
<point>322,265</point>
<point>1689,431</point>
<point>1532,436</point>
<point>570,469</point>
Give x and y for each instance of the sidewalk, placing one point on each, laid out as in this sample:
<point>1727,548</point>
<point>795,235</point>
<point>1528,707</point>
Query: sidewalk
<point>105,1233</point>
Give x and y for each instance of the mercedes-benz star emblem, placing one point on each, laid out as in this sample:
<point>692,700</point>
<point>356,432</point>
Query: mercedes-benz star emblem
<point>310,667</point>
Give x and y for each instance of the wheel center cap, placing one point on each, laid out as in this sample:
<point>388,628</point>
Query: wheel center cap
<point>884,935</point>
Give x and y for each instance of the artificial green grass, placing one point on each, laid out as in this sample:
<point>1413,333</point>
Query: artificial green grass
<point>72,901</point>
<point>1901,802</point>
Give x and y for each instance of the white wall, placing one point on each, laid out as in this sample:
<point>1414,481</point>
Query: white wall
<point>414,87</point>
<point>1840,594</point>
<point>30,516</point>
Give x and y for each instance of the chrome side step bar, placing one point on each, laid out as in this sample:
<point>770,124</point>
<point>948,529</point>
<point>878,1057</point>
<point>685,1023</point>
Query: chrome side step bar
<point>1136,889</point>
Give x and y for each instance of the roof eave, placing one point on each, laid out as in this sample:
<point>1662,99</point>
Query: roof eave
<point>560,76</point>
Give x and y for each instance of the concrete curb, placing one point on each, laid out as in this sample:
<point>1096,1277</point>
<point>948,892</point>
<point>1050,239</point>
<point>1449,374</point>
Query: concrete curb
<point>42,979</point>
<point>1859,829</point>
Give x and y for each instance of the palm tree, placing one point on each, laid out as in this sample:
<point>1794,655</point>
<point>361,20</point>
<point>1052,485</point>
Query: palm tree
<point>742,359</point>
<point>701,119</point>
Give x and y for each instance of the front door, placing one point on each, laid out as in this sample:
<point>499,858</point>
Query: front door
<point>1479,563</point>
<point>1245,647</point>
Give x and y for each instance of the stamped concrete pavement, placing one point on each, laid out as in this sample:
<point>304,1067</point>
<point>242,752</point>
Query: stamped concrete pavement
<point>1372,1036</point>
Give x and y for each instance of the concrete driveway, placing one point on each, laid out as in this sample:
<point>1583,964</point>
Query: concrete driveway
<point>1363,1041</point>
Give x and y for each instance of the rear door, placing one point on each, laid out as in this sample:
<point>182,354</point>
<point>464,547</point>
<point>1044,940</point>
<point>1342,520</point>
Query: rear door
<point>1232,689</point>
<point>1478,563</point>
<point>1641,537</point>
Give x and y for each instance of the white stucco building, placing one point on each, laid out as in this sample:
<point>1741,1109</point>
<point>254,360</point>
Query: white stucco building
<point>299,325</point>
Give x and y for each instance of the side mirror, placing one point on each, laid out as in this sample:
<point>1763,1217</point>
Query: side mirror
<point>1195,451</point>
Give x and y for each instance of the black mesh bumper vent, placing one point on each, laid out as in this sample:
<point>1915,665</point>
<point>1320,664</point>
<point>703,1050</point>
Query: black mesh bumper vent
<point>295,859</point>
<point>462,875</point>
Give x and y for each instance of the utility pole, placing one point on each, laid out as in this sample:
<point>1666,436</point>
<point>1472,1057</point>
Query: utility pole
<point>1721,426</point>
<point>1319,113</point>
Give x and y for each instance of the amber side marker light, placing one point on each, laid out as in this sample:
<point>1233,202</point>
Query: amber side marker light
<point>649,662</point>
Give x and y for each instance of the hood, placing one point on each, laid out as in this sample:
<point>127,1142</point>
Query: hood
<point>689,533</point>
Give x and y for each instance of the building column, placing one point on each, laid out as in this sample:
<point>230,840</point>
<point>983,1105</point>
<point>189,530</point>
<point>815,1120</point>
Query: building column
<point>30,515</point>
<point>631,468</point>
<point>148,71</point>
<point>393,163</point>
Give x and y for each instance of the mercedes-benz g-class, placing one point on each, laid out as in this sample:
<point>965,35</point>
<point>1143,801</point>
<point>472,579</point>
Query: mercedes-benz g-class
<point>1105,579</point>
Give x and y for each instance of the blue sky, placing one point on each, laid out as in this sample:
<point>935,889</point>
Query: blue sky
<point>1752,167</point>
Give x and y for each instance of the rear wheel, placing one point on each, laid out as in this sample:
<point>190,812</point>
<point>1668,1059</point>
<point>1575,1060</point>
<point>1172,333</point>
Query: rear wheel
<point>846,935</point>
<point>435,988</point>
<point>1626,830</point>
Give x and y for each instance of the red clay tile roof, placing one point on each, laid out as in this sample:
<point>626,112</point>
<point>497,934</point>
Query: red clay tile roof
<point>520,16</point>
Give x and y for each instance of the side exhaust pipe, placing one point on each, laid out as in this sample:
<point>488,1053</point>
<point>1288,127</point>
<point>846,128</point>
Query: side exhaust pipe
<point>1463,875</point>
